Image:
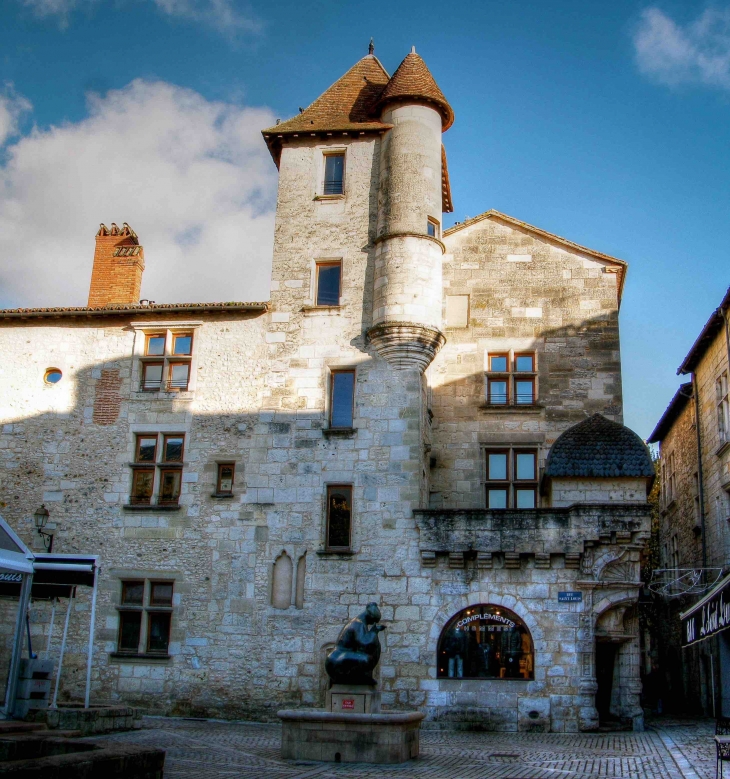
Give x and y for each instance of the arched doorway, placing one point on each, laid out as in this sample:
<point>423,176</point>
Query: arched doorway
<point>485,641</point>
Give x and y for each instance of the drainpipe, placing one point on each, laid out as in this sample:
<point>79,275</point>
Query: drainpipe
<point>700,478</point>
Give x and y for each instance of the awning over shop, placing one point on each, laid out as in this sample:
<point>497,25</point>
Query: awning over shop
<point>709,616</point>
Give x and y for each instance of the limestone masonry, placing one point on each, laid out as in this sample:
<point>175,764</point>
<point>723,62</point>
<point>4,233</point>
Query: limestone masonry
<point>253,474</point>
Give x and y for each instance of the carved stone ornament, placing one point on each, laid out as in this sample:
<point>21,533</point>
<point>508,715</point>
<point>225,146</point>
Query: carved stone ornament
<point>618,572</point>
<point>357,651</point>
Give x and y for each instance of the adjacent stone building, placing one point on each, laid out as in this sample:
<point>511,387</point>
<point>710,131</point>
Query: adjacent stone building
<point>425,418</point>
<point>694,445</point>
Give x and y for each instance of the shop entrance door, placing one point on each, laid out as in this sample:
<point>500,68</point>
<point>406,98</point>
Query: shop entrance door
<point>605,664</point>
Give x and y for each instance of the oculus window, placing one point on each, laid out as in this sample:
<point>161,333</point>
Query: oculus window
<point>485,642</point>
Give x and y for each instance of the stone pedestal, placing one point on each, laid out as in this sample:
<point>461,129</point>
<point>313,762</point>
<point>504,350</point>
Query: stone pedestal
<point>316,734</point>
<point>353,699</point>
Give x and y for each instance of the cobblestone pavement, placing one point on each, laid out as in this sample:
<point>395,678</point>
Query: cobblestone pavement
<point>693,741</point>
<point>224,750</point>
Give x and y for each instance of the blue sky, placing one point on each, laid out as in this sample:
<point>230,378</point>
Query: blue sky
<point>606,123</point>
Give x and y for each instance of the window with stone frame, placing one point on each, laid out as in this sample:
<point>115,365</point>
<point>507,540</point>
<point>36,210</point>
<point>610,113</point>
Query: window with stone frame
<point>511,378</point>
<point>224,479</point>
<point>166,363</point>
<point>723,408</point>
<point>342,399</point>
<point>157,469</point>
<point>339,517</point>
<point>669,479</point>
<point>145,617</point>
<point>328,282</point>
<point>333,182</point>
<point>511,478</point>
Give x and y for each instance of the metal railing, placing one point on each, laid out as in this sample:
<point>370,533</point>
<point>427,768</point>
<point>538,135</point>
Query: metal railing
<point>333,186</point>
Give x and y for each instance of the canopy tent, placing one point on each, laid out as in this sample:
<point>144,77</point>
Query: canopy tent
<point>16,573</point>
<point>43,577</point>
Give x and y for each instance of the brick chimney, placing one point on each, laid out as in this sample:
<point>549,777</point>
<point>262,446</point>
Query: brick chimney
<point>118,265</point>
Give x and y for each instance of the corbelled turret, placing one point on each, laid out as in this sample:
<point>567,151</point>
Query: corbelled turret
<point>407,301</point>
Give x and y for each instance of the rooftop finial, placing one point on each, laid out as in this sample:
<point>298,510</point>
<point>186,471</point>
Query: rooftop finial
<point>413,49</point>
<point>371,47</point>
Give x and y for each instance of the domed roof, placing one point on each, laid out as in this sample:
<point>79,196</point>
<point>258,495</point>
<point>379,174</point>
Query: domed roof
<point>413,81</point>
<point>599,448</point>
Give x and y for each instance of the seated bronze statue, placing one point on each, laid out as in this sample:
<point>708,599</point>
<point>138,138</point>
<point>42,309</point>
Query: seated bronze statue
<point>358,649</point>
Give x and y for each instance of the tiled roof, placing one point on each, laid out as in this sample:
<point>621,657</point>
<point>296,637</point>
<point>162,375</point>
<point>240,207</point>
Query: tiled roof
<point>681,397</point>
<point>599,448</point>
<point>706,337</point>
<point>447,204</point>
<point>347,106</point>
<point>138,308</point>
<point>621,266</point>
<point>412,80</point>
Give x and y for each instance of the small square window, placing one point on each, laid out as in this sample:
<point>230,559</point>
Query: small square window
<point>497,392</point>
<point>158,632</point>
<point>179,376</point>
<point>497,498</point>
<point>146,449</point>
<point>173,448</point>
<point>130,628</point>
<point>525,363</point>
<point>225,478</point>
<point>170,486</point>
<point>328,283</point>
<point>132,593</point>
<point>152,376</point>
<point>182,343</point>
<point>339,516</point>
<point>155,345</point>
<point>334,174</point>
<point>497,466</point>
<point>342,398</point>
<point>525,497</point>
<point>498,362</point>
<point>143,480</point>
<point>161,594</point>
<point>432,228</point>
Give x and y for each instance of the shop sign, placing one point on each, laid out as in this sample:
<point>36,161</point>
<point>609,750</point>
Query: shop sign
<point>485,616</point>
<point>712,617</point>
<point>570,597</point>
<point>15,578</point>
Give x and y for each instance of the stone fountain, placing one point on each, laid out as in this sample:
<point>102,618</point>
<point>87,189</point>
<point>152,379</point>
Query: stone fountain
<point>352,729</point>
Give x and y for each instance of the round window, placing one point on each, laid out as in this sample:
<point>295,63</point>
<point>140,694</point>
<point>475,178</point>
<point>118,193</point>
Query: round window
<point>52,376</point>
<point>485,642</point>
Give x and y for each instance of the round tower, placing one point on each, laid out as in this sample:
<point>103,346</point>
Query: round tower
<point>407,298</point>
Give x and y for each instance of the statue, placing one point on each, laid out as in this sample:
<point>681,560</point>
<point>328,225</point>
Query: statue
<point>358,649</point>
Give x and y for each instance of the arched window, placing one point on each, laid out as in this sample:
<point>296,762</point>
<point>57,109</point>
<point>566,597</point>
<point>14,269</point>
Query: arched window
<point>485,642</point>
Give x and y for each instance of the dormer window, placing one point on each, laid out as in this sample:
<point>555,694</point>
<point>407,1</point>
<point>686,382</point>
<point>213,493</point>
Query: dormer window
<point>334,174</point>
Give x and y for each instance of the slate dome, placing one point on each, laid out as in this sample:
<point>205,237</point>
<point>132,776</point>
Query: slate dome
<point>599,448</point>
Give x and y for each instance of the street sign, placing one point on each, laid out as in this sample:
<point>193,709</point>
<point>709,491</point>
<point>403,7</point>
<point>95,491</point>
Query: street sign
<point>570,597</point>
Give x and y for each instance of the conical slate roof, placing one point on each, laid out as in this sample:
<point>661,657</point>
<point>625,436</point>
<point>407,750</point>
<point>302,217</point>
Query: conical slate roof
<point>599,448</point>
<point>413,80</point>
<point>347,105</point>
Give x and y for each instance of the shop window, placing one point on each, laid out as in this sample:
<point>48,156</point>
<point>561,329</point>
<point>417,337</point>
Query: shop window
<point>511,478</point>
<point>157,469</point>
<point>328,283</point>
<point>485,642</point>
<point>342,398</point>
<point>167,361</point>
<point>339,516</point>
<point>145,617</point>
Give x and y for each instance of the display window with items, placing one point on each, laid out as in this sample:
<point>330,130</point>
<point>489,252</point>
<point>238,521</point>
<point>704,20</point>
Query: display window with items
<point>485,642</point>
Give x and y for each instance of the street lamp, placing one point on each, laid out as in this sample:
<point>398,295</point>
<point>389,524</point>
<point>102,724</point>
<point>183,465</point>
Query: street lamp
<point>41,517</point>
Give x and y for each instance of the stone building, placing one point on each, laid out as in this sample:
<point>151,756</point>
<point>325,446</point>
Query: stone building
<point>426,418</point>
<point>694,445</point>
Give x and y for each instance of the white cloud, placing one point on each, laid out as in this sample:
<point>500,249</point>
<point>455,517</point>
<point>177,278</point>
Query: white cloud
<point>697,52</point>
<point>224,15</point>
<point>192,177</point>
<point>12,107</point>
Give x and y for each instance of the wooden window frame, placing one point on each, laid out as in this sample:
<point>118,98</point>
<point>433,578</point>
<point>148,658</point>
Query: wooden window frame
<point>152,613</point>
<point>124,614</point>
<point>145,612</point>
<point>168,359</point>
<point>502,380</point>
<point>148,337</point>
<point>329,489</point>
<point>158,468</point>
<point>169,501</point>
<point>220,466</point>
<point>165,437</point>
<point>125,583</point>
<point>333,375</point>
<point>134,498</point>
<point>318,264</point>
<point>137,439</point>
<point>182,334</point>
<point>436,225</point>
<point>526,380</point>
<point>144,387</point>
<point>153,584</point>
<point>172,364</point>
<point>333,153</point>
<point>511,484</point>
<point>505,355</point>
<point>524,354</point>
<point>512,376</point>
<point>498,484</point>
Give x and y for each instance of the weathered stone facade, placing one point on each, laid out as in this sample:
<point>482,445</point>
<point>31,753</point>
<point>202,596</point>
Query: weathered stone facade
<point>259,595</point>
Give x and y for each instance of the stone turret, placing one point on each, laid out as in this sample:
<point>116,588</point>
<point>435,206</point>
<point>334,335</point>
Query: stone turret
<point>407,297</point>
